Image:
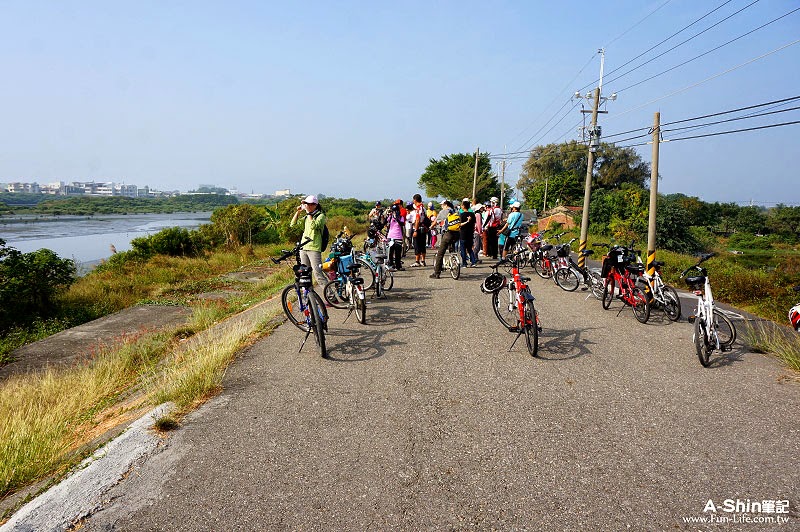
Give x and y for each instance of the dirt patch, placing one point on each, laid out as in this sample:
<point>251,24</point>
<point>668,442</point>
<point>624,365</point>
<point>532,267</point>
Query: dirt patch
<point>73,345</point>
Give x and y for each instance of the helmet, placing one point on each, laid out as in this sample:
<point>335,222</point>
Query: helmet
<point>494,282</point>
<point>794,317</point>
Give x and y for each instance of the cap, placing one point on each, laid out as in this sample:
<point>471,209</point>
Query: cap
<point>516,204</point>
<point>479,206</point>
<point>465,199</point>
<point>311,199</point>
<point>494,200</point>
<point>377,203</point>
<point>430,204</point>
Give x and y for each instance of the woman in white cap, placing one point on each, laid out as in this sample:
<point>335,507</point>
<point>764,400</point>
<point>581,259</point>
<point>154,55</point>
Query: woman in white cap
<point>311,254</point>
<point>492,223</point>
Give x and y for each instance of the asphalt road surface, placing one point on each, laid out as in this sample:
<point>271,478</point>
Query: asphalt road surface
<point>424,419</point>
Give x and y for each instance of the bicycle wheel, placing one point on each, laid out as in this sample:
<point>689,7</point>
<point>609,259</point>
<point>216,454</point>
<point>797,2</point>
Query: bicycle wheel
<point>455,268</point>
<point>701,343</point>
<point>596,284</point>
<point>724,329</point>
<point>292,308</point>
<point>504,304</point>
<point>608,292</point>
<point>336,294</point>
<point>567,279</point>
<point>322,309</point>
<point>672,303</point>
<point>360,304</point>
<point>388,279</point>
<point>318,324</point>
<point>543,268</point>
<point>640,306</point>
<point>380,273</point>
<point>531,329</point>
<point>367,272</point>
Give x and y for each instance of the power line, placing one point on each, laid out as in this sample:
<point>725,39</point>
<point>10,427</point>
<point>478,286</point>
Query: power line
<point>704,53</point>
<point>753,114</point>
<point>527,142</point>
<point>617,115</point>
<point>730,120</point>
<point>733,131</point>
<point>662,42</point>
<point>732,111</point>
<point>618,37</point>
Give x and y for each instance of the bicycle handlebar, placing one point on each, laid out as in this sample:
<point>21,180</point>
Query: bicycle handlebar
<point>290,253</point>
<point>703,258</point>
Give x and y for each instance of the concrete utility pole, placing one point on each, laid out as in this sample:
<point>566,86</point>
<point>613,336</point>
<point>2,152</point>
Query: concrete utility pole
<point>544,203</point>
<point>651,223</point>
<point>502,181</point>
<point>587,192</point>
<point>475,175</point>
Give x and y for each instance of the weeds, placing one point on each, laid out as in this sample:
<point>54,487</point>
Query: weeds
<point>777,341</point>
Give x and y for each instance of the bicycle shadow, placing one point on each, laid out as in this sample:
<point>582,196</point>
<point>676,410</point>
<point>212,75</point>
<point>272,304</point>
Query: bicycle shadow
<point>361,345</point>
<point>728,358</point>
<point>564,344</point>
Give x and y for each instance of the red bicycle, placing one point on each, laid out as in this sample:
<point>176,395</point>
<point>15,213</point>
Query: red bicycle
<point>620,281</point>
<point>513,303</point>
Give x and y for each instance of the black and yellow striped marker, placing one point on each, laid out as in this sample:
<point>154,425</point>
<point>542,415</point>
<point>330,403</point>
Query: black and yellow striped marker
<point>581,258</point>
<point>651,258</point>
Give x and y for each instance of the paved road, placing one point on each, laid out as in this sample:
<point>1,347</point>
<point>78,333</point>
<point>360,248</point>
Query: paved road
<point>425,420</point>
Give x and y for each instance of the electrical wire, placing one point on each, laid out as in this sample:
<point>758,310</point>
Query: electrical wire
<point>753,114</point>
<point>617,115</point>
<point>528,142</point>
<point>733,131</point>
<point>730,120</point>
<point>660,43</point>
<point>618,37</point>
<point>704,53</point>
<point>784,100</point>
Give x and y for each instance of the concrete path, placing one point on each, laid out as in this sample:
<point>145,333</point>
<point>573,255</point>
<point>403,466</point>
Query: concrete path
<point>424,419</point>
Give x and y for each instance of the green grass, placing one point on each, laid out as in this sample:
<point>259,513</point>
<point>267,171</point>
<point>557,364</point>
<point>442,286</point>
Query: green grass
<point>781,342</point>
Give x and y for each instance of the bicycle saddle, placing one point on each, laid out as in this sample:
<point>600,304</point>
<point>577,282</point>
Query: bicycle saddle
<point>657,264</point>
<point>635,268</point>
<point>353,267</point>
<point>524,279</point>
<point>547,247</point>
<point>587,252</point>
<point>696,281</point>
<point>380,257</point>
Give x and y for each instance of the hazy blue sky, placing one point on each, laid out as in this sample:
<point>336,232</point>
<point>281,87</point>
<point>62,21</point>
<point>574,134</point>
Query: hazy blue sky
<point>353,98</point>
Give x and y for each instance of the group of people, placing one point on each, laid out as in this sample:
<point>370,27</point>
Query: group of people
<point>473,229</point>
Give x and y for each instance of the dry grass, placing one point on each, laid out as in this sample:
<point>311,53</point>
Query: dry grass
<point>778,341</point>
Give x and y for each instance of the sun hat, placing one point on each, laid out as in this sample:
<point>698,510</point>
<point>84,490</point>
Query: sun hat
<point>479,206</point>
<point>494,200</point>
<point>516,204</point>
<point>311,199</point>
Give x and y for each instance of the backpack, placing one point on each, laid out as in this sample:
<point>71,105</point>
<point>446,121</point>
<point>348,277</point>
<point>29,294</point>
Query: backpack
<point>326,236</point>
<point>453,221</point>
<point>425,220</point>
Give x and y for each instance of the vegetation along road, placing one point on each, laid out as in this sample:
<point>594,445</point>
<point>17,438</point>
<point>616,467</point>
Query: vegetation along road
<point>424,418</point>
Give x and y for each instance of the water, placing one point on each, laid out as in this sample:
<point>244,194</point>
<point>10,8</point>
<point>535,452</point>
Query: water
<point>88,239</point>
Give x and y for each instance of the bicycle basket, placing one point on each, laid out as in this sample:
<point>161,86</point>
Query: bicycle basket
<point>344,262</point>
<point>494,282</point>
<point>563,250</point>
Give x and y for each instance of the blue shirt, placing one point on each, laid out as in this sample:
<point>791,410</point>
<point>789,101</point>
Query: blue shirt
<point>514,221</point>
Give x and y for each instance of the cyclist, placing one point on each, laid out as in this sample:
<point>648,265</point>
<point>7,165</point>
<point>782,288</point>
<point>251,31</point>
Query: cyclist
<point>419,231</point>
<point>511,227</point>
<point>494,219</point>
<point>479,233</point>
<point>431,212</point>
<point>314,220</point>
<point>395,235</point>
<point>449,236</point>
<point>467,234</point>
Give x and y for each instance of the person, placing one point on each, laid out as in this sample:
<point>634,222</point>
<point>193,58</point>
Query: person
<point>409,213</point>
<point>314,220</point>
<point>395,235</point>
<point>376,215</point>
<point>494,218</point>
<point>419,231</point>
<point>449,236</point>
<point>478,236</point>
<point>512,227</point>
<point>467,234</point>
<point>431,213</point>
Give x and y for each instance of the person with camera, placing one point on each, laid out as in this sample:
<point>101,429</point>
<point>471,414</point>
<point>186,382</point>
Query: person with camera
<point>314,220</point>
<point>397,222</point>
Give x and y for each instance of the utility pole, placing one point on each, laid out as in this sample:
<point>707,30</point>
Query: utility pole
<point>475,175</point>
<point>594,144</point>
<point>544,203</point>
<point>502,181</point>
<point>651,224</point>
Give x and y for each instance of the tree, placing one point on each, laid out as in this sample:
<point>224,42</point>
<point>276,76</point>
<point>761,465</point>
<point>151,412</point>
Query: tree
<point>565,165</point>
<point>452,176</point>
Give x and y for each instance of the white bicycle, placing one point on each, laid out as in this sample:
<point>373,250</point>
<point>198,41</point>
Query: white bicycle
<point>713,330</point>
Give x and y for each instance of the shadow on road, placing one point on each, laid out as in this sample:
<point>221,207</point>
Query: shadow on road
<point>566,344</point>
<point>360,345</point>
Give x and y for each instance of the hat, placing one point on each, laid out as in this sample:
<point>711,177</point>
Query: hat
<point>377,203</point>
<point>311,199</point>
<point>465,199</point>
<point>516,204</point>
<point>398,202</point>
<point>479,206</point>
<point>494,200</point>
<point>444,201</point>
<point>430,204</point>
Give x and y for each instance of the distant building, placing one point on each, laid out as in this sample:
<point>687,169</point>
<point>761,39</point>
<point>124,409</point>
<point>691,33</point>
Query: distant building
<point>28,188</point>
<point>280,193</point>
<point>559,215</point>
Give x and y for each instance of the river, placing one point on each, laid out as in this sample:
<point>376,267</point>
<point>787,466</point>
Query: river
<point>89,239</point>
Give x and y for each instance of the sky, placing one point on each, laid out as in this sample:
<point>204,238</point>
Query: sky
<point>352,99</point>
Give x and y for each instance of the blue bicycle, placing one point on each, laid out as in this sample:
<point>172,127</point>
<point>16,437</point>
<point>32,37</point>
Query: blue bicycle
<point>301,304</point>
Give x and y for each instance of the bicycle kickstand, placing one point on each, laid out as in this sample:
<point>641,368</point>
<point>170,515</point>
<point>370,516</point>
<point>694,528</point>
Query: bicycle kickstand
<point>303,343</point>
<point>519,333</point>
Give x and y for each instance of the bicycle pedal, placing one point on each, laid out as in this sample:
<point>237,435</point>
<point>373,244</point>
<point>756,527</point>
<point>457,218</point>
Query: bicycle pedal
<point>584,288</point>
<point>513,329</point>
<point>692,318</point>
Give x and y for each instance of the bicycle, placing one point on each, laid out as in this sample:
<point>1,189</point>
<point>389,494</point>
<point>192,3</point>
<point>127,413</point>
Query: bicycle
<point>543,263</point>
<point>310,314</point>
<point>713,330</point>
<point>513,303</point>
<point>346,291</point>
<point>621,282</point>
<point>452,261</point>
<point>661,294</point>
